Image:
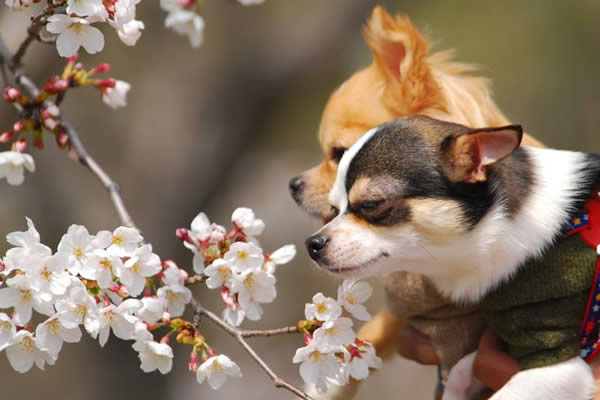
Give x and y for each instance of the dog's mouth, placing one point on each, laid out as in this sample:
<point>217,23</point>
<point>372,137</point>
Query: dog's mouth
<point>355,268</point>
<point>327,220</point>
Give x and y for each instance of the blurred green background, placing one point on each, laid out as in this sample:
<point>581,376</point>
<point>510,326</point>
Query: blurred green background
<point>229,124</point>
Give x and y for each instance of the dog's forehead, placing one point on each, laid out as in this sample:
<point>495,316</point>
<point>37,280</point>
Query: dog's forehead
<point>338,195</point>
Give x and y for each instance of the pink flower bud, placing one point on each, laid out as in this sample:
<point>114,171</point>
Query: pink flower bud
<point>50,123</point>
<point>193,364</point>
<point>119,290</point>
<point>307,339</point>
<point>6,136</point>
<point>59,86</point>
<point>62,139</point>
<point>186,3</point>
<point>2,266</point>
<point>73,58</point>
<point>53,110</point>
<point>18,126</point>
<point>106,83</point>
<point>20,145</point>
<point>104,67</point>
<point>211,351</point>
<point>164,340</point>
<point>11,94</point>
<point>169,264</point>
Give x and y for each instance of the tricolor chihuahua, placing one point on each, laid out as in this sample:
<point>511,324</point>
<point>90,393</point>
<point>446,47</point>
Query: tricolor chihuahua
<point>485,220</point>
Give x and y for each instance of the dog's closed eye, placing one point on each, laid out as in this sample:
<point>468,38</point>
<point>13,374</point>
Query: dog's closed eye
<point>373,210</point>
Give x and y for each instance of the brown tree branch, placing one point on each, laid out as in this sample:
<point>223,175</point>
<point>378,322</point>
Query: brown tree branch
<point>238,335</point>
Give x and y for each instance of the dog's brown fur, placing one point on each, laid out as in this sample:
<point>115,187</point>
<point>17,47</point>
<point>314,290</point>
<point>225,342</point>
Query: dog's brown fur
<point>404,78</point>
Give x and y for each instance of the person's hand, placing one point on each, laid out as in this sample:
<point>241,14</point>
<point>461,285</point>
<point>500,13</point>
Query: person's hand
<point>493,366</point>
<point>415,346</point>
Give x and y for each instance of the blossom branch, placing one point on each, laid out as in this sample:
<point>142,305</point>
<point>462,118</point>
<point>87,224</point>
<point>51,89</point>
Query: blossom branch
<point>238,335</point>
<point>33,31</point>
<point>83,156</point>
<point>268,332</point>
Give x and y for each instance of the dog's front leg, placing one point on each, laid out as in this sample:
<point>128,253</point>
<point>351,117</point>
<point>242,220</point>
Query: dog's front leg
<point>571,379</point>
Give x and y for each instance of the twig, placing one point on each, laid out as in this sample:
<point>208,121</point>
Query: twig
<point>192,280</point>
<point>33,32</point>
<point>268,332</point>
<point>83,157</point>
<point>239,337</point>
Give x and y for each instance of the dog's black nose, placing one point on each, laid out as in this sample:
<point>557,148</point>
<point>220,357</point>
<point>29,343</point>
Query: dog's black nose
<point>296,186</point>
<point>315,244</point>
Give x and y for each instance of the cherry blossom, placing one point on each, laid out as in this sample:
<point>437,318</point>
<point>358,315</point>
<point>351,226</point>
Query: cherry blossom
<point>245,219</point>
<point>152,309</point>
<point>77,244</point>
<point>216,369</point>
<point>318,364</point>
<point>18,5</point>
<point>13,165</point>
<point>130,32</point>
<point>245,256</point>
<point>254,285</point>
<point>124,241</point>
<point>117,97</point>
<point>219,273</point>
<point>25,352</point>
<point>142,264</point>
<point>74,32</point>
<point>358,368</point>
<point>352,294</point>
<point>52,333</point>
<point>119,319</point>
<point>154,355</point>
<point>20,296</point>
<point>175,297</point>
<point>101,266</point>
<point>187,23</point>
<point>85,7</point>
<point>174,276</point>
<point>322,308</point>
<point>8,330</point>
<point>48,277</point>
<point>280,256</point>
<point>78,308</point>
<point>335,332</point>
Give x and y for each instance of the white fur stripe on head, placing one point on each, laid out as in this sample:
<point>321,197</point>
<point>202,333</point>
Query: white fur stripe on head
<point>338,195</point>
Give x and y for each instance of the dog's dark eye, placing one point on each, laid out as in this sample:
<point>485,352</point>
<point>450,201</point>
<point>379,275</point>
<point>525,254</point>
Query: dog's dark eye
<point>337,153</point>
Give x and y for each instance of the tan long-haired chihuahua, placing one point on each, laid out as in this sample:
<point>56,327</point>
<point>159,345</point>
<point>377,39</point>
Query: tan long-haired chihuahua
<point>404,78</point>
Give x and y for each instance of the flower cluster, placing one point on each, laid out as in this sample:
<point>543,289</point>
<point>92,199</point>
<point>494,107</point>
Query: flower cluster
<point>91,280</point>
<point>332,353</point>
<point>41,114</point>
<point>75,28</point>
<point>184,18</point>
<point>234,263</point>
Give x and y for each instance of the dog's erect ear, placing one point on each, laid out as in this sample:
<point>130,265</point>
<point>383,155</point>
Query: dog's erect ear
<point>400,52</point>
<point>466,156</point>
